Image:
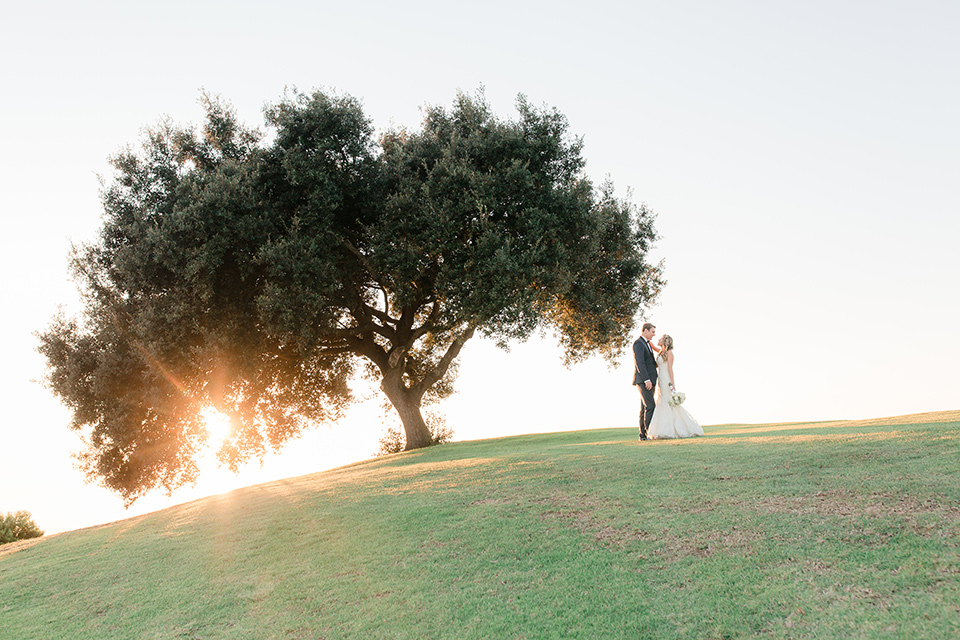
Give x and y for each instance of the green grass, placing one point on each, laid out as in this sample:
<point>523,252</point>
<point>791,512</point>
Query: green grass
<point>825,530</point>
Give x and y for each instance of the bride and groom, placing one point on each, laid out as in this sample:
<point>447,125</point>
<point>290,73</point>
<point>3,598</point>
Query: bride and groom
<point>663,416</point>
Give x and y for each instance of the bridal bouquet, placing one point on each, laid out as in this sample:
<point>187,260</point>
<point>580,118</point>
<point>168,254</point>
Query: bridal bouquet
<point>677,399</point>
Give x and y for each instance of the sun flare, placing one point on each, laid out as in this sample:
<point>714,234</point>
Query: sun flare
<point>217,424</point>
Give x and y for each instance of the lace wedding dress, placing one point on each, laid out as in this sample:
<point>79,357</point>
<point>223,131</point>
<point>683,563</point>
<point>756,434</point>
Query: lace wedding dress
<point>667,421</point>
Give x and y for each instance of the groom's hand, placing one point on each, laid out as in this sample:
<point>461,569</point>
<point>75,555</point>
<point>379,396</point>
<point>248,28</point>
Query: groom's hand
<point>648,385</point>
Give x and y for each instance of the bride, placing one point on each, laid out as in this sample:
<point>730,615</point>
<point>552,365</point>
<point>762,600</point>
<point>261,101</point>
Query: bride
<point>670,421</point>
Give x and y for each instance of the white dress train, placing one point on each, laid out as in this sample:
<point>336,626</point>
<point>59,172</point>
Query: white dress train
<point>667,421</point>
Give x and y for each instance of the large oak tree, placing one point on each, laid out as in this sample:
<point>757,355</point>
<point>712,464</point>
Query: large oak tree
<point>259,274</point>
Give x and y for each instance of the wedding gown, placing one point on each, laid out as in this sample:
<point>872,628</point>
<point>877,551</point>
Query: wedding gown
<point>667,421</point>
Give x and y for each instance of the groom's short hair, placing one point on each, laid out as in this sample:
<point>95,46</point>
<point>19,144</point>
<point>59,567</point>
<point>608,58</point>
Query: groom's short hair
<point>648,325</point>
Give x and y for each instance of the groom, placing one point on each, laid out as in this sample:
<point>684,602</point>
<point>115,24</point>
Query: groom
<point>645,375</point>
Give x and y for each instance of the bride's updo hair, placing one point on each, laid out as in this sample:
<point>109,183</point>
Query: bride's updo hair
<point>667,343</point>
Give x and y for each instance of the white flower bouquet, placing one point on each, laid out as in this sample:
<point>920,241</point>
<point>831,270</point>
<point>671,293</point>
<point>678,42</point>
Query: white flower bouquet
<point>677,398</point>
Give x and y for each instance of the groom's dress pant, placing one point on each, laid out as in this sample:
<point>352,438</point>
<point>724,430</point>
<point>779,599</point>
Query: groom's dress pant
<point>646,409</point>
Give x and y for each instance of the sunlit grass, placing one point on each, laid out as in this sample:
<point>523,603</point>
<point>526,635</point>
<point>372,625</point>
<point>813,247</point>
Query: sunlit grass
<point>839,529</point>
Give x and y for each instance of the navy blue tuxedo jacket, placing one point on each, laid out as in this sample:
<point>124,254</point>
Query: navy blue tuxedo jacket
<point>646,363</point>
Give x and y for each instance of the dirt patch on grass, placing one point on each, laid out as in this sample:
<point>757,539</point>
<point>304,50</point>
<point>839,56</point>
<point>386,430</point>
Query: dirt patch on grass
<point>492,501</point>
<point>601,519</point>
<point>854,593</point>
<point>704,544</point>
<point>595,517</point>
<point>582,512</point>
<point>12,547</point>
<point>914,512</point>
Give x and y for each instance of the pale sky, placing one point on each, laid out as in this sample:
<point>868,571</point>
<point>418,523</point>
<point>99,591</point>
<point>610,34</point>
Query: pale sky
<point>803,159</point>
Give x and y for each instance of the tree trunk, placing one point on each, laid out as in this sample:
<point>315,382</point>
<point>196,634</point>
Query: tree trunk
<point>407,405</point>
<point>415,429</point>
<point>407,400</point>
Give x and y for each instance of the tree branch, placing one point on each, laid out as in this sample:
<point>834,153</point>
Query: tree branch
<point>332,351</point>
<point>380,315</point>
<point>386,299</point>
<point>428,324</point>
<point>363,260</point>
<point>368,348</point>
<point>340,334</point>
<point>365,315</point>
<point>440,370</point>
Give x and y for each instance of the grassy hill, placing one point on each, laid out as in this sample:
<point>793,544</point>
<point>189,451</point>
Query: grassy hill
<point>825,530</point>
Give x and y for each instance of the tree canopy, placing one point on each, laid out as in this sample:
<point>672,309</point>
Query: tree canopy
<point>259,274</point>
